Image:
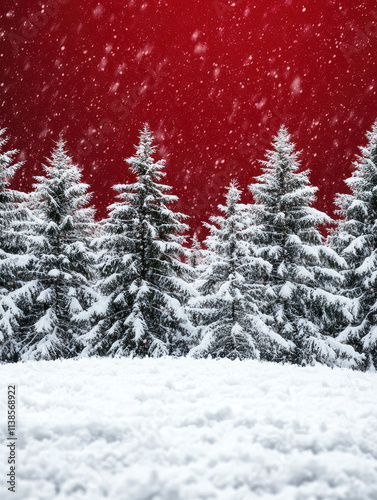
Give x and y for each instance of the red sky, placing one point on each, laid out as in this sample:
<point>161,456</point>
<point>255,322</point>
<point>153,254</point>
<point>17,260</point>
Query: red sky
<point>214,79</point>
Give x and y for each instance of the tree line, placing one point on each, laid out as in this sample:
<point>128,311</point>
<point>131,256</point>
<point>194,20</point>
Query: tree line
<point>265,284</point>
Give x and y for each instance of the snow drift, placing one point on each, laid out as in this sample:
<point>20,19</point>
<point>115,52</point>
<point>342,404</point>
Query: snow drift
<point>165,429</point>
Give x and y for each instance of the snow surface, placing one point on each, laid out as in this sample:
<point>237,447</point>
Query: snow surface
<point>164,429</point>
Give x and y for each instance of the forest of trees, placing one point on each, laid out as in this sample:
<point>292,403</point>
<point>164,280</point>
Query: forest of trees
<point>265,284</point>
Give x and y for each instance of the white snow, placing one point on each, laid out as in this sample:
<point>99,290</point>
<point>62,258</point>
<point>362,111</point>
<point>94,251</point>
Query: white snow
<point>296,85</point>
<point>164,429</point>
<point>286,290</point>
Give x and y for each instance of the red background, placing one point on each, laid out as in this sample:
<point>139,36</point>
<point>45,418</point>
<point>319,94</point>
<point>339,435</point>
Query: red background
<point>214,80</point>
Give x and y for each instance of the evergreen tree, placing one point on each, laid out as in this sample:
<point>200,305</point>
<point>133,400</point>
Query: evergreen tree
<point>195,258</point>
<point>11,261</point>
<point>142,277</point>
<point>355,238</point>
<point>305,273</point>
<point>231,291</point>
<point>58,285</point>
<point>195,253</point>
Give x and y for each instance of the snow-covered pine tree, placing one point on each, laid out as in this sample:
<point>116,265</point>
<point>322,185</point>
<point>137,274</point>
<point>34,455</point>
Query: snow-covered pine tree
<point>195,252</point>
<point>12,262</point>
<point>59,279</point>
<point>142,276</point>
<point>355,238</point>
<point>195,258</point>
<point>227,312</point>
<point>305,273</point>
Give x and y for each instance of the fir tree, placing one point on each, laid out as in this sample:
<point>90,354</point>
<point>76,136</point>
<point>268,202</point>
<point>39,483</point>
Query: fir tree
<point>142,276</point>
<point>231,291</point>
<point>58,285</point>
<point>355,239</point>
<point>195,253</point>
<point>195,258</point>
<point>305,273</point>
<point>12,262</point>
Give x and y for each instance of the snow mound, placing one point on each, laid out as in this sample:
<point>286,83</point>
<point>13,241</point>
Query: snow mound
<point>164,429</point>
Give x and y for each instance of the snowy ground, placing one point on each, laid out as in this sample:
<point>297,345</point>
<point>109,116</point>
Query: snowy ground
<point>191,430</point>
